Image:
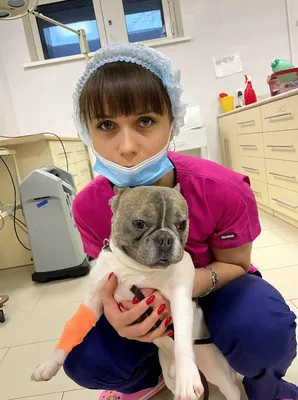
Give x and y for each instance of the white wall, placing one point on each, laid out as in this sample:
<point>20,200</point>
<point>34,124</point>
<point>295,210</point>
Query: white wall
<point>42,96</point>
<point>8,120</point>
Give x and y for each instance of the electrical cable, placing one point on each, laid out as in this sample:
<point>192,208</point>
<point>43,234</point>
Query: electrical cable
<point>14,204</point>
<point>19,225</point>
<point>48,133</point>
<point>19,221</point>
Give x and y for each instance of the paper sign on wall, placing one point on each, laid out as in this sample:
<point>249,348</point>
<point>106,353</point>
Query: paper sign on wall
<point>228,64</point>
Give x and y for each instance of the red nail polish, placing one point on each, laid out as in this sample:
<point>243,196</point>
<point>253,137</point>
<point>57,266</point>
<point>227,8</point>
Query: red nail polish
<point>150,300</point>
<point>121,305</point>
<point>171,334</point>
<point>110,276</point>
<point>135,300</point>
<point>161,309</point>
<point>168,321</point>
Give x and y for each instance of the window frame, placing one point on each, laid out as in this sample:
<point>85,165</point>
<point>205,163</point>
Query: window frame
<point>117,32</point>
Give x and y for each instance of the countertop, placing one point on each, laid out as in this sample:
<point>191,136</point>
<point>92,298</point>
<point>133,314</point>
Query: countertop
<point>262,102</point>
<point>35,138</point>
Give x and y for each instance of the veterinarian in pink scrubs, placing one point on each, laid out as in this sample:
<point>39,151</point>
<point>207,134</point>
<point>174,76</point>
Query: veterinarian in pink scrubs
<point>128,108</point>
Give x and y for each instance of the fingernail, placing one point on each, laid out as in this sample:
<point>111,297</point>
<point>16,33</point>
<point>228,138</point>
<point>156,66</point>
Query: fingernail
<point>121,305</point>
<point>150,300</point>
<point>171,334</point>
<point>135,300</point>
<point>168,321</point>
<point>161,309</point>
<point>110,276</point>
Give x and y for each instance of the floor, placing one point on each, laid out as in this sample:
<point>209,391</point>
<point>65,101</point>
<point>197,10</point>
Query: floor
<point>37,313</point>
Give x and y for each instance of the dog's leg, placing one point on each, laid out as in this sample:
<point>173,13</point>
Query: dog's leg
<point>73,334</point>
<point>188,381</point>
<point>217,370</point>
<point>167,360</point>
<point>211,361</point>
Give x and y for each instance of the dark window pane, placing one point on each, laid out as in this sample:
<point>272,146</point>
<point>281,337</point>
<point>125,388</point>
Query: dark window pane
<point>77,14</point>
<point>144,19</point>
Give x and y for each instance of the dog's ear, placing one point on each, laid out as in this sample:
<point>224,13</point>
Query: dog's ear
<point>178,188</point>
<point>114,201</point>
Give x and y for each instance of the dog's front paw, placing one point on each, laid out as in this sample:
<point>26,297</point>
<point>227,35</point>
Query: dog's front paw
<point>46,371</point>
<point>188,382</point>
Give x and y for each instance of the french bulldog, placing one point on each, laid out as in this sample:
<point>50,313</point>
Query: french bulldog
<point>146,250</point>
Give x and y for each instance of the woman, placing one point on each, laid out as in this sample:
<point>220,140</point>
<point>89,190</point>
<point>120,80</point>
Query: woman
<point>127,108</point>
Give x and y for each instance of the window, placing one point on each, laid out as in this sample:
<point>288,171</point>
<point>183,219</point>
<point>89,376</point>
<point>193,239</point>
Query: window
<point>144,20</point>
<point>59,42</point>
<point>105,21</point>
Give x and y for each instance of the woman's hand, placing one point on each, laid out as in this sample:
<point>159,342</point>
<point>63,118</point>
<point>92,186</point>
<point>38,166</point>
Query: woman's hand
<point>123,321</point>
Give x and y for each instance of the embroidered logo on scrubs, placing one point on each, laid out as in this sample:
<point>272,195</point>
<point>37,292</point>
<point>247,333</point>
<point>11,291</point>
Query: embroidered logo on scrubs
<point>228,236</point>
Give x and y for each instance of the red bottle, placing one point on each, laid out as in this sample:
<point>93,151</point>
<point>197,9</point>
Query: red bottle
<point>249,94</point>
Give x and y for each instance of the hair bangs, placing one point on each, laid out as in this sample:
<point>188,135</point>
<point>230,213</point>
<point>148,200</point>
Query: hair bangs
<point>123,88</point>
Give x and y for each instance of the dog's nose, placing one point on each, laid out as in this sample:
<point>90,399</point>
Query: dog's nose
<point>164,240</point>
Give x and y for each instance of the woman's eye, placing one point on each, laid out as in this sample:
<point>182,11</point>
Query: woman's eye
<point>146,122</point>
<point>105,126</point>
<point>139,224</point>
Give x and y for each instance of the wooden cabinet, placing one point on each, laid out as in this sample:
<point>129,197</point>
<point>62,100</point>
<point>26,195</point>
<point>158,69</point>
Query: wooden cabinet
<point>263,144</point>
<point>32,152</point>
<point>228,141</point>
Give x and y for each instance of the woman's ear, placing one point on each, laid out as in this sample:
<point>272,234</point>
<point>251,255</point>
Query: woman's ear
<point>114,201</point>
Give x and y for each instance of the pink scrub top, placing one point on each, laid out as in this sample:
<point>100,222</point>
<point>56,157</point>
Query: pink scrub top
<point>222,209</point>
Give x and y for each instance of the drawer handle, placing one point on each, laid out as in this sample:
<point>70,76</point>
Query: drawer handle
<point>249,146</point>
<point>282,176</point>
<point>257,193</point>
<point>278,115</point>
<point>74,175</point>
<point>84,170</point>
<point>62,153</point>
<point>279,146</point>
<point>246,122</point>
<point>249,168</point>
<point>284,203</point>
<point>80,150</point>
<point>227,150</point>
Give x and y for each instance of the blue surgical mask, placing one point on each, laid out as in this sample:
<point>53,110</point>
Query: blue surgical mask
<point>144,174</point>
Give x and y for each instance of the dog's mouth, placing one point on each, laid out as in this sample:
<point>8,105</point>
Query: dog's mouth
<point>163,262</point>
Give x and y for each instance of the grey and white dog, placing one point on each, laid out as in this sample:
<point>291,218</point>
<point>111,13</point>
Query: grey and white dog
<point>149,232</point>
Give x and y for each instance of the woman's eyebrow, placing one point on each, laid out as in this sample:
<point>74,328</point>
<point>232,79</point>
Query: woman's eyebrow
<point>135,114</point>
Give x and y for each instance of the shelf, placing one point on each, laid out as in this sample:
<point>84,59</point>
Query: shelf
<point>7,209</point>
<point>4,152</point>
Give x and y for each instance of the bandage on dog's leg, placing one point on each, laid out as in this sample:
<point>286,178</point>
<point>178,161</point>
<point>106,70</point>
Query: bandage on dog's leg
<point>77,328</point>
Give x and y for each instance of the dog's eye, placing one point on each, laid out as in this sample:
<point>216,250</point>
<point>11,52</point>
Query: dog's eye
<point>182,226</point>
<point>139,224</point>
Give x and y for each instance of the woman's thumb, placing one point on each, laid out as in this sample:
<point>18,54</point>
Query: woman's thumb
<point>109,287</point>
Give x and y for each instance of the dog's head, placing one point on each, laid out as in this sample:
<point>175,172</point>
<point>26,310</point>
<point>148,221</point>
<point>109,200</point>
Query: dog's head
<point>150,224</point>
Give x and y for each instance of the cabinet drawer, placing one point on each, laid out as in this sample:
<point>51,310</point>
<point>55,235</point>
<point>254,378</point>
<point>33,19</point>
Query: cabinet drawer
<point>81,185</point>
<point>83,171</point>
<point>281,145</point>
<point>253,167</point>
<point>283,174</point>
<point>284,201</point>
<point>260,190</point>
<point>248,121</point>
<point>80,152</point>
<point>58,154</point>
<point>251,145</point>
<point>73,170</point>
<point>280,115</point>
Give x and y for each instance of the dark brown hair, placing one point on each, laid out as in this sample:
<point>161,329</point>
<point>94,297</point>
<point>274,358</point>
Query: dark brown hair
<point>123,88</point>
